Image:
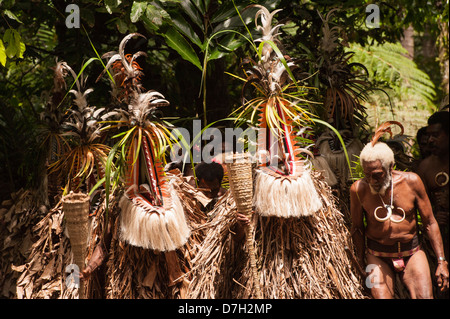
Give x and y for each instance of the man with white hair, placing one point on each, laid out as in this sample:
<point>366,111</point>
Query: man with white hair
<point>384,207</point>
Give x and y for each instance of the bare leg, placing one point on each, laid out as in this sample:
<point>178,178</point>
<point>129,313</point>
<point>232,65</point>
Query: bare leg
<point>381,278</point>
<point>417,277</point>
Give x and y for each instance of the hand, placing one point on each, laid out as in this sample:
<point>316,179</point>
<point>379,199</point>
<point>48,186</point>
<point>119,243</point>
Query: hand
<point>242,219</point>
<point>86,273</point>
<point>442,275</point>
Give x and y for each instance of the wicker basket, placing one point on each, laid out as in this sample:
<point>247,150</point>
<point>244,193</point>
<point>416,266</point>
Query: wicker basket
<point>240,176</point>
<point>241,183</point>
<point>76,212</point>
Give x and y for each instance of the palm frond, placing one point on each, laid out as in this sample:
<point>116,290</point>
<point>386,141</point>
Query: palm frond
<point>387,63</point>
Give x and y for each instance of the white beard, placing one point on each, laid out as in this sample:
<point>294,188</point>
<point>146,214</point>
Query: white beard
<point>384,187</point>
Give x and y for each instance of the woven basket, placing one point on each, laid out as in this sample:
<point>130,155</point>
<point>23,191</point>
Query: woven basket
<point>241,183</point>
<point>240,176</point>
<point>76,212</point>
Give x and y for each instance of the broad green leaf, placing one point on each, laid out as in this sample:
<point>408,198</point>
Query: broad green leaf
<point>7,36</point>
<point>230,43</point>
<point>110,5</point>
<point>137,10</point>
<point>148,24</point>
<point>225,45</point>
<point>226,11</point>
<point>236,21</point>
<point>177,42</point>
<point>215,54</point>
<point>2,53</point>
<point>200,5</point>
<point>21,50</point>
<point>192,12</point>
<point>122,26</point>
<point>185,28</point>
<point>12,37</point>
<point>12,16</point>
<point>156,14</point>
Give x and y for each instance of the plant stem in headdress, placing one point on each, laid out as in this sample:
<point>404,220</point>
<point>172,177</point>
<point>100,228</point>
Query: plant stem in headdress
<point>81,131</point>
<point>344,87</point>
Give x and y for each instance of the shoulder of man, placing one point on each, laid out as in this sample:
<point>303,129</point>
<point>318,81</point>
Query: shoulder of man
<point>425,163</point>
<point>412,178</point>
<point>358,185</point>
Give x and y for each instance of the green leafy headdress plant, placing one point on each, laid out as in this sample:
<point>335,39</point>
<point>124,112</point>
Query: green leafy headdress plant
<point>280,103</point>
<point>85,156</point>
<point>152,216</point>
<point>283,185</point>
<point>345,88</point>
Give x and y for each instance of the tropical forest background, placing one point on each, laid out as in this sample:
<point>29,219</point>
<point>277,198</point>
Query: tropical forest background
<point>406,58</point>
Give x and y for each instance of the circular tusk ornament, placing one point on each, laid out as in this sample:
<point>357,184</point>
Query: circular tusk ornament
<point>388,215</point>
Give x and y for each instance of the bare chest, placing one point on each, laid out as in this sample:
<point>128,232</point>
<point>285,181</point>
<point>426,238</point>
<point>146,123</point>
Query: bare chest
<point>397,208</point>
<point>436,176</point>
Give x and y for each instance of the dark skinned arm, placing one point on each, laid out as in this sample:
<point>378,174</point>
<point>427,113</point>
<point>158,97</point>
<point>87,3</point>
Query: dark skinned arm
<point>357,228</point>
<point>239,228</point>
<point>432,229</point>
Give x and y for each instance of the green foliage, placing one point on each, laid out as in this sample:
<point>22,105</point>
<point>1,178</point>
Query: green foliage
<point>388,65</point>
<point>14,45</point>
<point>11,44</point>
<point>187,26</point>
<point>181,35</point>
<point>195,29</point>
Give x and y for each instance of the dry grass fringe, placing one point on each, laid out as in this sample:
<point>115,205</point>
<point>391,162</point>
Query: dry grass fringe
<point>164,231</point>
<point>138,273</point>
<point>285,197</point>
<point>45,275</point>
<point>298,257</point>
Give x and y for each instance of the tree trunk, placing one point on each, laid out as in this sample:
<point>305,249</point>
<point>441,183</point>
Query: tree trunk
<point>408,41</point>
<point>443,55</point>
<point>428,44</point>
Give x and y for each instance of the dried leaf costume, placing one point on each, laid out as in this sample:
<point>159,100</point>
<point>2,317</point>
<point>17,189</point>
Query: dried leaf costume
<point>65,240</point>
<point>281,168</point>
<point>299,235</point>
<point>153,233</point>
<point>154,213</point>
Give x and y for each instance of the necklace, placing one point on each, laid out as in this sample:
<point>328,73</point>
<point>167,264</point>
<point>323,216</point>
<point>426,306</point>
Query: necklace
<point>444,182</point>
<point>389,208</point>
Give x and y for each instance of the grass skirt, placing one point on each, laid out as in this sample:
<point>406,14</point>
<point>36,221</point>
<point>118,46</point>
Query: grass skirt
<point>297,257</point>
